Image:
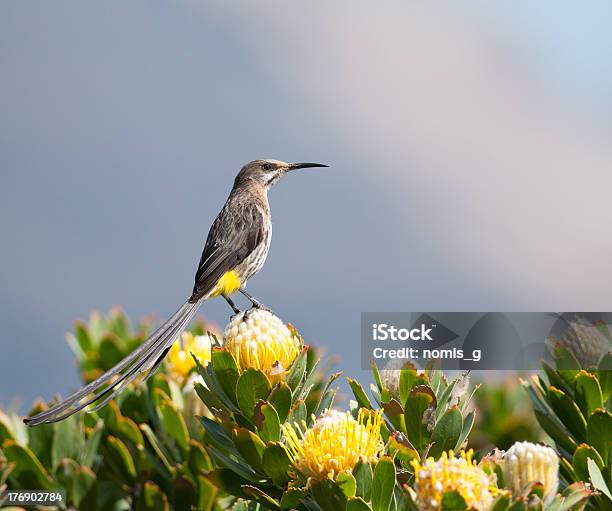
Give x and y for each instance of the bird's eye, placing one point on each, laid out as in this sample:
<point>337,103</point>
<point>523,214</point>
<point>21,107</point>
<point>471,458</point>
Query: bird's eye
<point>267,166</point>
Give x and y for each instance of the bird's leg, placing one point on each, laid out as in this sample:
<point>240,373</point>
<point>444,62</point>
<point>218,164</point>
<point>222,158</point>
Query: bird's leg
<point>232,304</point>
<point>256,304</point>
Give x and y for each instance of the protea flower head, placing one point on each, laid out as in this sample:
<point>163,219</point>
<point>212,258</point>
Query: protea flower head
<point>585,340</point>
<point>180,360</point>
<point>433,478</point>
<point>390,376</point>
<point>260,340</point>
<point>526,463</point>
<point>335,443</point>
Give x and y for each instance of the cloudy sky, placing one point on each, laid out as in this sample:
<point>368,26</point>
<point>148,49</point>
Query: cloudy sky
<point>471,164</point>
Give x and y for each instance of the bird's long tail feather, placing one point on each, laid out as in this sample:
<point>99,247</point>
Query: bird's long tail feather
<point>144,359</point>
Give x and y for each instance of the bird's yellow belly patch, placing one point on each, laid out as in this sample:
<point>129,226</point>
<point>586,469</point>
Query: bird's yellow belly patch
<point>228,284</point>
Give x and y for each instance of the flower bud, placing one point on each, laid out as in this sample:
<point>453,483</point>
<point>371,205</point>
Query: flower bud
<point>260,340</point>
<point>526,463</point>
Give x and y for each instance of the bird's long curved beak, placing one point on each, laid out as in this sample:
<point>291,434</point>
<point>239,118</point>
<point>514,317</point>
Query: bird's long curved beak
<point>293,166</point>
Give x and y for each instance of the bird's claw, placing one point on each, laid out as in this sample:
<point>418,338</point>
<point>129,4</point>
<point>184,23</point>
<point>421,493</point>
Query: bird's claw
<point>237,313</point>
<point>257,306</point>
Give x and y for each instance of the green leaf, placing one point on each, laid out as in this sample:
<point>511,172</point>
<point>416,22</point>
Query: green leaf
<point>579,461</point>
<point>292,498</point>
<point>501,503</point>
<point>551,427</point>
<point>110,352</point>
<point>120,457</point>
<point>363,476</point>
<point>198,460</point>
<point>395,414</point>
<point>597,479</point>
<point>280,398</point>
<point>235,463</point>
<point>252,386</point>
<point>267,422</point>
<point>218,435</point>
<point>444,397</point>
<point>77,481</point>
<point>383,484</point>
<point>128,431</point>
<point>28,470</point>
<point>326,401</point>
<point>40,442</point>
<point>328,495</point>
<point>402,449</point>
<point>468,422</point>
<point>207,494</point>
<point>588,393</point>
<point>82,337</point>
<point>297,414</point>
<point>360,395</point>
<point>599,429</point>
<point>174,424</point>
<point>68,440</point>
<point>185,492</point>
<point>567,410</point>
<point>420,399</point>
<point>573,495</point>
<point>276,463</point>
<point>261,497</point>
<point>554,378</point>
<point>208,398</point>
<point>605,375</point>
<point>119,324</point>
<point>447,431</point>
<point>297,371</point>
<point>226,371</point>
<point>90,449</point>
<point>566,362</point>
<point>152,499</point>
<point>347,484</point>
<point>250,447</point>
<point>407,378</point>
<point>453,501</point>
<point>376,374</point>
<point>84,487</point>
<point>228,481</point>
<point>159,451</point>
<point>518,505</point>
<point>357,504</point>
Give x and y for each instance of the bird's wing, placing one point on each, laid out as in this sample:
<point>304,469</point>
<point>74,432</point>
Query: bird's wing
<point>233,236</point>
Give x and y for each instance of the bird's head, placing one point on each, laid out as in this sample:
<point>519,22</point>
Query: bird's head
<point>267,172</point>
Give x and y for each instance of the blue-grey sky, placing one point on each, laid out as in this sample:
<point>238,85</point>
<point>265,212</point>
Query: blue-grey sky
<point>469,148</point>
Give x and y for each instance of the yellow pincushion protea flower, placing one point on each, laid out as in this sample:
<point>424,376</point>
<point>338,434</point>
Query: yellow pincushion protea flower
<point>335,443</point>
<point>526,463</point>
<point>433,478</point>
<point>260,340</point>
<point>180,361</point>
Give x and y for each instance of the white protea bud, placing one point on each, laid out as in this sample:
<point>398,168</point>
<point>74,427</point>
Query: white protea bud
<point>526,463</point>
<point>390,376</point>
<point>260,340</point>
<point>585,340</point>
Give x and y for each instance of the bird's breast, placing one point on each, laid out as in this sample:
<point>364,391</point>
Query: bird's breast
<point>227,285</point>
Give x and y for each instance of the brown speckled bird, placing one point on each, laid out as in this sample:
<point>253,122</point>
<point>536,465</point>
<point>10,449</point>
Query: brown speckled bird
<point>235,250</point>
